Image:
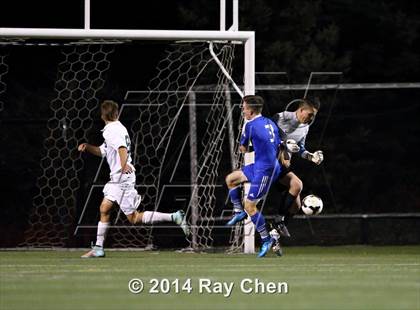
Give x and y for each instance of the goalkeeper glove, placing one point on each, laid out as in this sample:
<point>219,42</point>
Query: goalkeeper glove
<point>292,146</point>
<point>316,157</point>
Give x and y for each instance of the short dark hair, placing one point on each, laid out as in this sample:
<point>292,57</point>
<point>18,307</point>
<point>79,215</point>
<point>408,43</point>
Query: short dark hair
<point>311,102</point>
<point>255,103</point>
<point>109,109</point>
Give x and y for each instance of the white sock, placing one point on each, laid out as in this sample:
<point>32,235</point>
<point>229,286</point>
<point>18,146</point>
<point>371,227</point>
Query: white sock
<point>150,217</point>
<point>100,235</point>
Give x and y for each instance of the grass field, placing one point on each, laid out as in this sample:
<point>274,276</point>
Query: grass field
<point>356,277</point>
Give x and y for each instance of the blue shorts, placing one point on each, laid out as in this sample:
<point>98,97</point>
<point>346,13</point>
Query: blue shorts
<point>260,179</point>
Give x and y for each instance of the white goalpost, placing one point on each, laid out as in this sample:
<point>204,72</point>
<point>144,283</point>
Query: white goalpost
<point>87,36</point>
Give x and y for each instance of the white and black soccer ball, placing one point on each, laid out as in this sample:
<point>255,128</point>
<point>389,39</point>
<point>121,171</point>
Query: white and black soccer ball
<point>312,205</point>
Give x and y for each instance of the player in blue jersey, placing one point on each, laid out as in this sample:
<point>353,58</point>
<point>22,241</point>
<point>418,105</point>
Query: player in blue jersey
<point>264,136</point>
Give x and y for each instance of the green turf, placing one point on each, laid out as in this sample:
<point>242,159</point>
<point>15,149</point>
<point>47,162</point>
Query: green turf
<point>356,277</point>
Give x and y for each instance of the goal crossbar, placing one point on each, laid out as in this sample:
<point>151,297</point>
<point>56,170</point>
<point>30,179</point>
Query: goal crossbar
<point>57,33</point>
<point>246,37</point>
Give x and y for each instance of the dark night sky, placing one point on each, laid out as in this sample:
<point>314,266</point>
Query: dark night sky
<point>372,41</point>
<point>105,14</point>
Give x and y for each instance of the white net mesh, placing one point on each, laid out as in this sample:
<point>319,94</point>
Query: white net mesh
<point>203,200</point>
<point>80,77</point>
<point>157,120</point>
<point>181,69</point>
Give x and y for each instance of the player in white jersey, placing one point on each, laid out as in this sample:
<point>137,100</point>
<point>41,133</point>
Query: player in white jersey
<point>294,126</point>
<point>120,190</point>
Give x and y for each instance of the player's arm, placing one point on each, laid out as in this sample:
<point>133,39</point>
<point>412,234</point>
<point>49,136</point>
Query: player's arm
<point>283,152</point>
<point>317,157</point>
<point>302,150</point>
<point>278,119</point>
<point>92,149</point>
<point>125,166</point>
<point>242,149</point>
<point>243,144</point>
<point>287,145</point>
<point>283,157</point>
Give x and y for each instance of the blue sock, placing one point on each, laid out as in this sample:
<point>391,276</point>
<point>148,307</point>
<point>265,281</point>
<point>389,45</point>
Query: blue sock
<point>259,222</point>
<point>235,198</point>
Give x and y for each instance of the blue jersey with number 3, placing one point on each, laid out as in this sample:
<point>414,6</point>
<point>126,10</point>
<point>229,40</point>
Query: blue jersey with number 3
<point>265,138</point>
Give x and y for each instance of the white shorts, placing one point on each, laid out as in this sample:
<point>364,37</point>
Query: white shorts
<point>123,192</point>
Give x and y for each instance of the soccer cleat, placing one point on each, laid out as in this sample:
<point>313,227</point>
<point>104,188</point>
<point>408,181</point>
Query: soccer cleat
<point>274,233</point>
<point>281,227</point>
<point>266,246</point>
<point>137,201</point>
<point>276,247</point>
<point>180,219</point>
<point>237,218</point>
<point>97,251</point>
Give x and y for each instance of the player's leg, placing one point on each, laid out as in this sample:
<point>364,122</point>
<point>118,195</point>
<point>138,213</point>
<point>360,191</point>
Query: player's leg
<point>130,203</point>
<point>233,182</point>
<point>259,221</point>
<point>260,186</point>
<point>103,224</point>
<point>291,203</point>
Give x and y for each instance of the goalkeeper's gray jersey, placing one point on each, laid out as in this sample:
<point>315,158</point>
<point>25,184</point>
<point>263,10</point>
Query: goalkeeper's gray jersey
<point>292,129</point>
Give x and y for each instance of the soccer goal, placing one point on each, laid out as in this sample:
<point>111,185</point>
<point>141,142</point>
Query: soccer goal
<point>84,60</point>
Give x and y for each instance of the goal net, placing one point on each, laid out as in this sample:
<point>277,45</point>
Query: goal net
<point>161,122</point>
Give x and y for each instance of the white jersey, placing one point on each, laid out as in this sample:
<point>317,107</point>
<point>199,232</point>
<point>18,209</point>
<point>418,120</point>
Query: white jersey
<point>116,136</point>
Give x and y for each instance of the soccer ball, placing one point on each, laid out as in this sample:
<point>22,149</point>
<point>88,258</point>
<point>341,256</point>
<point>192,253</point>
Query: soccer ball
<point>312,205</point>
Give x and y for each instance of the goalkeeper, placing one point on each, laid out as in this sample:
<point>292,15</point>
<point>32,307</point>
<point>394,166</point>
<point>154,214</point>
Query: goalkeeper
<point>294,127</point>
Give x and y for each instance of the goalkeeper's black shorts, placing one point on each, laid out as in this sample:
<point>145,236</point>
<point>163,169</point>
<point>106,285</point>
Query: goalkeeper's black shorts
<point>277,185</point>
<point>283,172</point>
